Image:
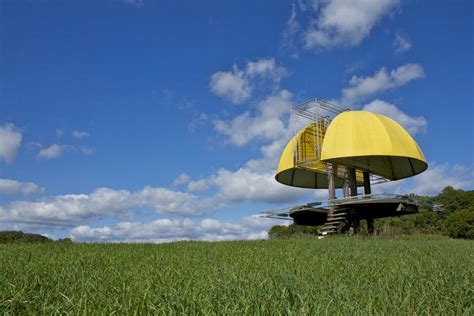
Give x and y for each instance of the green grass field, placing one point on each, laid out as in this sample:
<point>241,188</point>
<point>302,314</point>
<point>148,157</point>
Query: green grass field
<point>424,275</point>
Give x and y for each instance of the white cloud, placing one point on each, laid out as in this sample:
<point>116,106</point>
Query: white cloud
<point>393,187</point>
<point>12,187</point>
<point>257,175</point>
<point>79,134</point>
<point>183,178</point>
<point>57,150</point>
<point>10,140</point>
<point>289,34</point>
<point>265,68</point>
<point>344,22</point>
<point>72,209</point>
<point>432,181</point>
<point>439,176</point>
<point>270,155</point>
<point>198,185</point>
<point>166,201</point>
<point>413,124</point>
<point>237,85</point>
<point>232,86</point>
<point>53,151</point>
<point>360,88</point>
<point>66,210</point>
<point>245,185</point>
<point>255,181</point>
<point>267,124</point>
<point>401,43</point>
<point>165,230</point>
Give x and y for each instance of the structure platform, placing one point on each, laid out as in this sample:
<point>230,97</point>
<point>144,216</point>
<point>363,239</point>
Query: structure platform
<point>360,207</point>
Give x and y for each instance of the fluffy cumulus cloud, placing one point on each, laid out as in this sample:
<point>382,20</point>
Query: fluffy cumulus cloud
<point>53,151</point>
<point>439,176</point>
<point>401,43</point>
<point>245,185</point>
<point>232,85</point>
<point>57,150</point>
<point>72,209</point>
<point>254,182</point>
<point>413,124</point>
<point>192,185</point>
<point>432,181</point>
<point>265,68</point>
<point>344,22</point>
<point>361,88</point>
<point>164,230</point>
<point>268,123</point>
<point>198,185</point>
<point>10,140</point>
<point>13,187</point>
<point>166,201</point>
<point>270,154</point>
<point>237,85</point>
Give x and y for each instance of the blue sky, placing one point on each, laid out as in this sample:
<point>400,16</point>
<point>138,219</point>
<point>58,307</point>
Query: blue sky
<point>163,120</point>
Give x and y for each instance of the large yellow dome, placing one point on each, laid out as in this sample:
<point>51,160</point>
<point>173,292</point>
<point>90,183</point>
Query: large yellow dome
<point>300,165</point>
<point>374,143</point>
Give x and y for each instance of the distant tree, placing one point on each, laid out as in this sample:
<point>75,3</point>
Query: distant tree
<point>455,200</point>
<point>64,241</point>
<point>278,231</point>
<point>19,236</point>
<point>424,222</point>
<point>460,224</point>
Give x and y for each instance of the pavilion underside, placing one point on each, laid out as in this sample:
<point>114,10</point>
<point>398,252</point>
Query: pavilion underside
<point>361,207</point>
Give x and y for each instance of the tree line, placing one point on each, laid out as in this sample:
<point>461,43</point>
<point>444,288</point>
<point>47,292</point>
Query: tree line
<point>21,237</point>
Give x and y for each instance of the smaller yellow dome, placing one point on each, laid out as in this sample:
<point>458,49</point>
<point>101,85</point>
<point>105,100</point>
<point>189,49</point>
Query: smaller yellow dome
<point>300,165</point>
<point>374,143</point>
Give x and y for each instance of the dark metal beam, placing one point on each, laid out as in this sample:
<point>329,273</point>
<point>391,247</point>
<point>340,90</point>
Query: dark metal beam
<point>367,190</point>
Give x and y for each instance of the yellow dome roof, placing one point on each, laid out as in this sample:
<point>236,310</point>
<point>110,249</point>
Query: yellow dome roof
<point>299,164</point>
<point>374,143</point>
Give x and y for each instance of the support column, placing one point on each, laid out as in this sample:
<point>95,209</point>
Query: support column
<point>367,190</point>
<point>367,183</point>
<point>353,187</point>
<point>346,193</point>
<point>370,226</point>
<point>356,224</point>
<point>353,181</point>
<point>346,184</point>
<point>331,186</point>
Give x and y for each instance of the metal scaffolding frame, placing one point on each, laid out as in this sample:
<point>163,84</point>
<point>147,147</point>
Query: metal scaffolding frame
<point>319,113</point>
